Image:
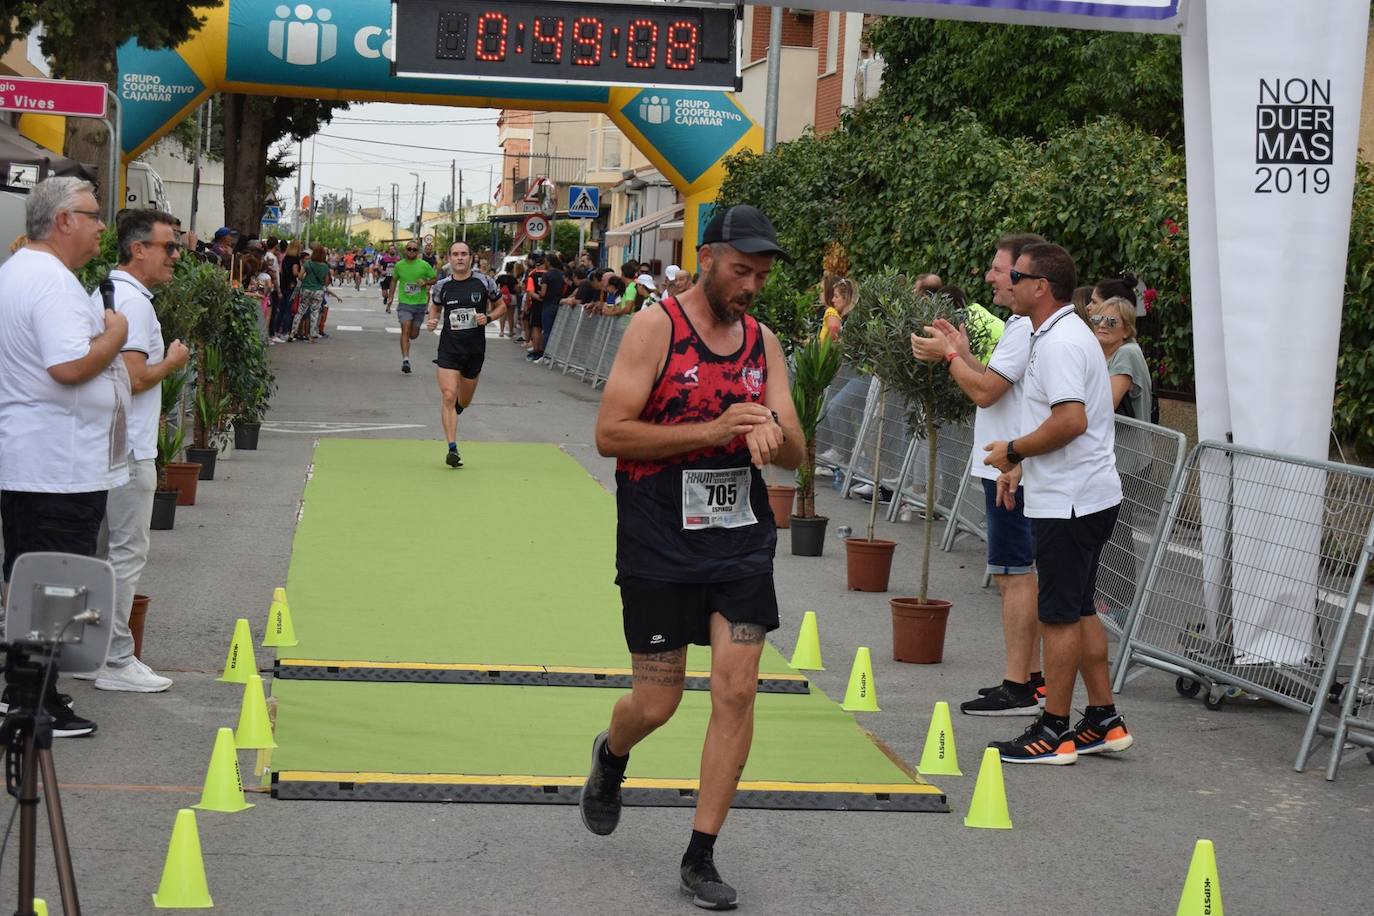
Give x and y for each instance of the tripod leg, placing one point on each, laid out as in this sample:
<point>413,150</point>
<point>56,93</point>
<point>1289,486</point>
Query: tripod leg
<point>28,825</point>
<point>61,851</point>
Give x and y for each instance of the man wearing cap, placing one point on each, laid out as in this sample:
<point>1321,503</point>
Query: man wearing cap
<point>697,404</point>
<point>677,280</point>
<point>221,250</point>
<point>646,295</point>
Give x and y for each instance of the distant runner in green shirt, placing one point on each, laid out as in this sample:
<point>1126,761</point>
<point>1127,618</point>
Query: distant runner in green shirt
<point>412,279</point>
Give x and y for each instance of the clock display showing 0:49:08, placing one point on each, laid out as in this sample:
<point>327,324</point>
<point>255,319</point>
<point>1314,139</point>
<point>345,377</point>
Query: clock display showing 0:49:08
<point>589,41</point>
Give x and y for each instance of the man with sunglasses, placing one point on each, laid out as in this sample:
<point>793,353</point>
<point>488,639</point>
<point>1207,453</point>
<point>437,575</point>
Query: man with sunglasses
<point>64,393</point>
<point>148,252</point>
<point>412,278</point>
<point>1066,451</point>
<point>467,302</point>
<point>996,388</point>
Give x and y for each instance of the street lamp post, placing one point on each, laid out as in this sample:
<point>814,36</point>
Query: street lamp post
<point>415,232</point>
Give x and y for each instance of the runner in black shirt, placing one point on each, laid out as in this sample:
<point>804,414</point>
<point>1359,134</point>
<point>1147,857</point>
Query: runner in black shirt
<point>463,303</point>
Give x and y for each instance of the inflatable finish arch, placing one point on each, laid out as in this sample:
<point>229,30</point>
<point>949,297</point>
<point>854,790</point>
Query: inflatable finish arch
<point>245,46</point>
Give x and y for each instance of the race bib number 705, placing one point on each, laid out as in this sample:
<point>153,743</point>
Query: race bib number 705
<point>716,499</point>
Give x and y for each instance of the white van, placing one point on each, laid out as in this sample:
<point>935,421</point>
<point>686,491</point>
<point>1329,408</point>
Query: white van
<point>143,188</point>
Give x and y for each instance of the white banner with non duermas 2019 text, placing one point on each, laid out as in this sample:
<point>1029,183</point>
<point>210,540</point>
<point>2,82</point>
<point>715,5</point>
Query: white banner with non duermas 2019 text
<point>1284,84</point>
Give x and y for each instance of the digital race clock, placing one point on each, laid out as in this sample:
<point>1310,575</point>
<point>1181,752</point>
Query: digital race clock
<point>663,44</point>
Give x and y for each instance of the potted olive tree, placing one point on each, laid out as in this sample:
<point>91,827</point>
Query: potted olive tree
<point>933,400</point>
<point>813,369</point>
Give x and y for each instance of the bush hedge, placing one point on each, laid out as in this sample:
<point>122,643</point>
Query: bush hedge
<point>913,197</point>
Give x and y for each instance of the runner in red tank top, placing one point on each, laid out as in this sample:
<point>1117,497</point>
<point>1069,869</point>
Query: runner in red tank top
<point>696,405</point>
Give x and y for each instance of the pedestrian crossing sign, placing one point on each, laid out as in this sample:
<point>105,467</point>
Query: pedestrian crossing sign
<point>584,201</point>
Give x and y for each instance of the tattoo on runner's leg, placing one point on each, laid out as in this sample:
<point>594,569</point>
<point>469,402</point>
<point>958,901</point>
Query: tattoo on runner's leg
<point>746,634</point>
<point>660,669</point>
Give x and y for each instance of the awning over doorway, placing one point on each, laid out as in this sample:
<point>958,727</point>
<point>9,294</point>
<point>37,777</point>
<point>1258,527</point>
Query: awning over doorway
<point>622,234</point>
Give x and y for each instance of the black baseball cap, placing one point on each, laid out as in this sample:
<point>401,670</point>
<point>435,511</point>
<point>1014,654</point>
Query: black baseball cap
<point>745,229</point>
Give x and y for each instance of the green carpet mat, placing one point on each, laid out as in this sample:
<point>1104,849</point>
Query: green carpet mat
<point>540,737</point>
<point>509,560</point>
<point>472,584</point>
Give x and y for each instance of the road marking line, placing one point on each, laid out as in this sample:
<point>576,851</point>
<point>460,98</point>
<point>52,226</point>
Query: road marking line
<point>393,330</point>
<point>348,327</point>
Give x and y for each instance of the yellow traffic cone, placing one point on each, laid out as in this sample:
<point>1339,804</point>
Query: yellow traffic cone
<point>254,730</point>
<point>807,653</point>
<point>40,907</point>
<point>240,664</point>
<point>939,758</point>
<point>280,631</point>
<point>989,806</point>
<point>1202,888</point>
<point>223,789</point>
<point>183,885</point>
<point>861,696</point>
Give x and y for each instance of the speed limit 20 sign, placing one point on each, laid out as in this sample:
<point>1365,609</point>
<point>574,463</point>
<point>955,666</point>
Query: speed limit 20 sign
<point>536,227</point>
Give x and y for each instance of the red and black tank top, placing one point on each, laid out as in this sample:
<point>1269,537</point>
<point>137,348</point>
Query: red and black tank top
<point>703,515</point>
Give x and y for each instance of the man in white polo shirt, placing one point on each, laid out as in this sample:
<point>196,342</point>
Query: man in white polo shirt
<point>64,393</point>
<point>996,389</point>
<point>1072,495</point>
<point>148,250</point>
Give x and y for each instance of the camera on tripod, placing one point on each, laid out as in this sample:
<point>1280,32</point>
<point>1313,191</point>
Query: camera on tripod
<point>59,616</point>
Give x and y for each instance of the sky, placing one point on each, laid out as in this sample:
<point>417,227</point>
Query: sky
<point>371,146</point>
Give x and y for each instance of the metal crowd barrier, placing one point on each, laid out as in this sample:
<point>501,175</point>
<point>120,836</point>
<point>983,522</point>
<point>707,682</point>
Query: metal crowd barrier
<point>1357,700</point>
<point>1253,580</point>
<point>952,445</point>
<point>584,344</point>
<point>970,514</point>
<point>891,450</point>
<point>559,344</point>
<point>1149,460</point>
<point>847,402</point>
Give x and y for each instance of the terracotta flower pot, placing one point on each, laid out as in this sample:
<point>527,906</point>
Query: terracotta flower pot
<point>136,618</point>
<point>780,497</point>
<point>183,475</point>
<point>918,629</point>
<point>870,563</point>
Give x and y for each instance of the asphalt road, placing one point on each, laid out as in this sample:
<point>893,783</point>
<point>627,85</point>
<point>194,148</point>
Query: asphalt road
<point>1106,836</point>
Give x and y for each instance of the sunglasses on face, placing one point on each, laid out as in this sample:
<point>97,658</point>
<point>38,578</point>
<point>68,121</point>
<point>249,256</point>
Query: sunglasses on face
<point>1017,276</point>
<point>1107,320</point>
<point>170,247</point>
<point>412,249</point>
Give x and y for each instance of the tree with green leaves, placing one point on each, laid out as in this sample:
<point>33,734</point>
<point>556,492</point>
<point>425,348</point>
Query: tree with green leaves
<point>1030,81</point>
<point>252,125</point>
<point>82,37</point>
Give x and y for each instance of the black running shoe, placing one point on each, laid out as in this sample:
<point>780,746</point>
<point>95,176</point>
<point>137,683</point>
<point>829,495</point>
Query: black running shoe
<point>1106,737</point>
<point>405,366</point>
<point>600,801</point>
<point>1003,701</point>
<point>454,459</point>
<point>709,891</point>
<point>1038,744</point>
<point>1037,683</point>
<point>64,698</point>
<point>66,723</point>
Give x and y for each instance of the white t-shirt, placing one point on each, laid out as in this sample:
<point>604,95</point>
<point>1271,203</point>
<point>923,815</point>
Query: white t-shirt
<point>1001,422</point>
<point>135,303</point>
<point>1066,364</point>
<point>56,438</point>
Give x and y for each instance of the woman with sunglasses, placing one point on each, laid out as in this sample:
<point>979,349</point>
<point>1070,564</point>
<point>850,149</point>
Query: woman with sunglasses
<point>1113,321</point>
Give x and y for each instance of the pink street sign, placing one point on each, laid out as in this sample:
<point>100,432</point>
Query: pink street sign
<point>55,97</point>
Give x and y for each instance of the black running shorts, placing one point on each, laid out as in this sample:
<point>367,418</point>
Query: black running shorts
<point>467,362</point>
<point>1067,551</point>
<point>659,616</point>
